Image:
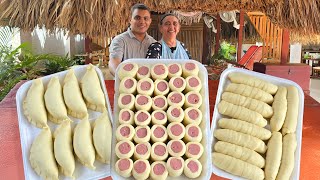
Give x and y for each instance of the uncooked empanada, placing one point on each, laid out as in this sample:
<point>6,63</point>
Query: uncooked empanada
<point>41,156</point>
<point>82,143</point>
<point>57,111</point>
<point>102,133</point>
<point>33,105</point>
<point>92,91</point>
<point>63,150</point>
<point>73,97</point>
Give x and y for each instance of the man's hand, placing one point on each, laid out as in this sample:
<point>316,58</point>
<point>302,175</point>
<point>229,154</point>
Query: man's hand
<point>113,64</point>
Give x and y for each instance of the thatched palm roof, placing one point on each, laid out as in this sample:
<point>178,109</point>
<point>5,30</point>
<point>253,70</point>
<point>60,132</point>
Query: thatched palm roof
<point>109,17</point>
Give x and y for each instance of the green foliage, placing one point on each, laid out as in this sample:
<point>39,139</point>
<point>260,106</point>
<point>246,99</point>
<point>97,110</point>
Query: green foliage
<point>56,63</point>
<point>226,52</point>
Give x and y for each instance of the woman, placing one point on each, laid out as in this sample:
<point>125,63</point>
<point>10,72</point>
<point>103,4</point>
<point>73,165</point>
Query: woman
<point>168,47</point>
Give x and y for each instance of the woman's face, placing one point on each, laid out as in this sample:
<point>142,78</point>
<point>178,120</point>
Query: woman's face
<point>170,27</point>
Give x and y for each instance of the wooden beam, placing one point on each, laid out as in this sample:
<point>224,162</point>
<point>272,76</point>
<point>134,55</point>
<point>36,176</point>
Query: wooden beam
<point>218,26</point>
<point>285,46</point>
<point>87,49</point>
<point>206,52</point>
<point>240,34</point>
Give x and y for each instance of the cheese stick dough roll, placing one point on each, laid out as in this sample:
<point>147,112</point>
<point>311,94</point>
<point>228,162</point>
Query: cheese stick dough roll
<point>241,113</point>
<point>175,114</point>
<point>159,117</point>
<point>193,133</point>
<point>127,70</point>
<point>193,99</point>
<point>142,118</point>
<point>194,150</point>
<point>192,115</point>
<point>161,87</point>
<point>126,101</point>
<point>279,105</point>
<point>241,139</point>
<point>245,127</point>
<point>176,130</point>
<point>237,167</point>
<point>159,71</point>
<point>177,84</point>
<point>143,134</point>
<point>125,132</point>
<point>145,86</point>
<point>273,156</point>
<point>175,166</point>
<point>176,99</point>
<point>289,146</point>
<point>291,120</point>
<point>159,151</point>
<point>192,168</point>
<point>124,149</point>
<point>239,152</point>
<point>126,116</point>
<point>242,78</point>
<point>124,167</point>
<point>141,169</point>
<point>193,83</point>
<point>128,85</point>
<point>143,102</point>
<point>143,72</point>
<point>159,133</point>
<point>190,69</point>
<point>176,148</point>
<point>159,103</point>
<point>142,151</point>
<point>174,70</point>
<point>159,170</point>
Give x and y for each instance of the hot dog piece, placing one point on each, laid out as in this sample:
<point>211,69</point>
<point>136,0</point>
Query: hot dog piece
<point>193,133</point>
<point>128,85</point>
<point>159,151</point>
<point>159,103</point>
<point>124,167</point>
<point>189,69</point>
<point>142,118</point>
<point>159,170</point>
<point>175,166</point>
<point>176,130</point>
<point>145,86</point>
<point>159,117</point>
<point>143,72</point>
<point>177,84</point>
<point>175,114</point>
<point>127,70</point>
<point>174,70</point>
<point>143,102</point>
<point>193,83</point>
<point>159,133</point>
<point>142,151</point>
<point>124,149</point>
<point>161,87</point>
<point>194,150</point>
<point>141,169</point>
<point>176,148</point>
<point>159,71</point>
<point>193,99</point>
<point>125,132</point>
<point>126,116</point>
<point>192,168</point>
<point>176,98</point>
<point>192,115</point>
<point>142,134</point>
<point>126,101</point>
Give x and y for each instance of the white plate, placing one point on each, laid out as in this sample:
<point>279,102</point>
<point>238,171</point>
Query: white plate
<point>205,124</point>
<point>224,81</point>
<point>28,132</point>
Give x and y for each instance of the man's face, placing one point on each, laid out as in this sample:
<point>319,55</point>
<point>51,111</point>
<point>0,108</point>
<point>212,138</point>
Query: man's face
<point>140,21</point>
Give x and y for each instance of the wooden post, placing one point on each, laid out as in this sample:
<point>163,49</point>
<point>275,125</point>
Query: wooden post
<point>240,34</point>
<point>87,49</point>
<point>285,46</point>
<point>218,26</point>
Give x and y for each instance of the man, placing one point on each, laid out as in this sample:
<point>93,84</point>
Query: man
<point>135,41</point>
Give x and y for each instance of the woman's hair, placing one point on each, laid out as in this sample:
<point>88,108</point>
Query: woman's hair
<point>165,15</point>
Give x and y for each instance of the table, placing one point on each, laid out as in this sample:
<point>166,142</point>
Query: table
<point>11,165</point>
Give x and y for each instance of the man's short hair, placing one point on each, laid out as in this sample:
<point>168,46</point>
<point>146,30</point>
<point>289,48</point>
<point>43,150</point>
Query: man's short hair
<point>139,6</point>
